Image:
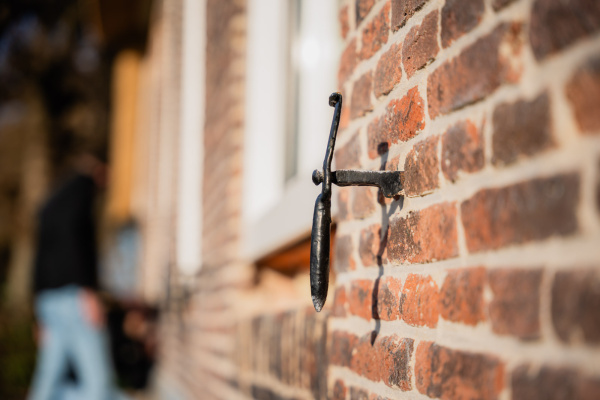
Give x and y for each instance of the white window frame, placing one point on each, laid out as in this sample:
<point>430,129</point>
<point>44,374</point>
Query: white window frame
<point>191,151</point>
<point>276,212</point>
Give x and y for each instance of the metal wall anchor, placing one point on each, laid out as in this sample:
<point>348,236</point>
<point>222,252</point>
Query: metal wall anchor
<point>390,183</point>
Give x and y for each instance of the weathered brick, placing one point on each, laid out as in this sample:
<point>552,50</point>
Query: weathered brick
<point>515,308</point>
<point>344,204</point>
<point>583,92</point>
<point>460,17</point>
<point>375,33</point>
<point>403,119</point>
<point>360,103</point>
<point>362,9</point>
<point>365,359</point>
<point>575,305</point>
<point>500,4</point>
<point>527,211</point>
<point>556,24</point>
<point>420,45</point>
<point>461,296</point>
<point>395,355</point>
<point>344,261</point>
<point>462,149</point>
<point>348,156</point>
<point>344,22</point>
<point>341,347</point>
<point>553,383</point>
<point>386,359</point>
<point>476,72</point>
<point>424,236</point>
<point>522,128</point>
<point>402,10</point>
<point>339,302</point>
<point>445,373</point>
<point>419,301</point>
<point>372,246</point>
<point>339,390</point>
<point>363,202</point>
<point>389,70</point>
<point>348,62</point>
<point>345,115</point>
<point>421,168</point>
<point>360,301</point>
<point>388,298</point>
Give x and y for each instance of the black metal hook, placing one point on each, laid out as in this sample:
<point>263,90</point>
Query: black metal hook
<point>390,183</point>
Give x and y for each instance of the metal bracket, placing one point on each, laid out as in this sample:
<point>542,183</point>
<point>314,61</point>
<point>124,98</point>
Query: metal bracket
<point>390,183</point>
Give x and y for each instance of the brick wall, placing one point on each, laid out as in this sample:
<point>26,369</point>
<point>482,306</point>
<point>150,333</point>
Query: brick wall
<point>482,281</point>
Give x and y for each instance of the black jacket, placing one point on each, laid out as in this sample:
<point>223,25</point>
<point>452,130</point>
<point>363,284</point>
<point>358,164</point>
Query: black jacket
<point>66,244</point>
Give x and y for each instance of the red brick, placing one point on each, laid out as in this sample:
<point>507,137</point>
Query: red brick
<point>344,22</point>
<point>372,246</point>
<point>461,296</point>
<point>424,236</point>
<point>460,17</point>
<point>365,359</point>
<point>556,24</point>
<point>344,204</point>
<point>348,62</point>
<point>345,116</point>
<point>385,359</point>
<point>394,355</point>
<point>522,128</point>
<point>445,373</point>
<point>476,72</point>
<point>375,34</point>
<point>360,103</point>
<point>515,308</point>
<point>421,45</point>
<point>403,119</point>
<point>462,149</point>
<point>343,260</point>
<point>389,70</point>
<point>388,298</point>
<point>402,10</point>
<point>363,202</point>
<point>362,9</point>
<point>583,92</point>
<point>339,302</point>
<point>421,168</point>
<point>553,383</point>
<point>361,299</point>
<point>419,301</point>
<point>341,346</point>
<point>575,305</point>
<point>348,156</point>
<point>524,212</point>
<point>339,390</point>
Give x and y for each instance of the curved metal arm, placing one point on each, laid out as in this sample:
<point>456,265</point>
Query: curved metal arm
<point>390,182</point>
<point>321,228</point>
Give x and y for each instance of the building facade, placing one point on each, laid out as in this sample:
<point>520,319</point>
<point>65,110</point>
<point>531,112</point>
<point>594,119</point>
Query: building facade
<point>481,281</point>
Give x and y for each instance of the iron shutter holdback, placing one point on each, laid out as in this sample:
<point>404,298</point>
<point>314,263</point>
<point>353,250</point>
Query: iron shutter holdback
<point>390,183</point>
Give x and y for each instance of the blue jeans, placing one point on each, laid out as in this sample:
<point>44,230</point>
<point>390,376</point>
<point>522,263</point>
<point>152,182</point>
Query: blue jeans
<point>69,337</point>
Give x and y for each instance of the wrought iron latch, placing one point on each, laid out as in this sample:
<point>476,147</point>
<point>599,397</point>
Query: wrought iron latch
<point>390,183</point>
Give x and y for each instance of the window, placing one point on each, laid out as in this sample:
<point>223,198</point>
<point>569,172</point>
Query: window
<point>292,54</point>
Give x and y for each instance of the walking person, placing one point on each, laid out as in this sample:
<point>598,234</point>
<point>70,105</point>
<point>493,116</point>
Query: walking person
<point>65,284</point>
